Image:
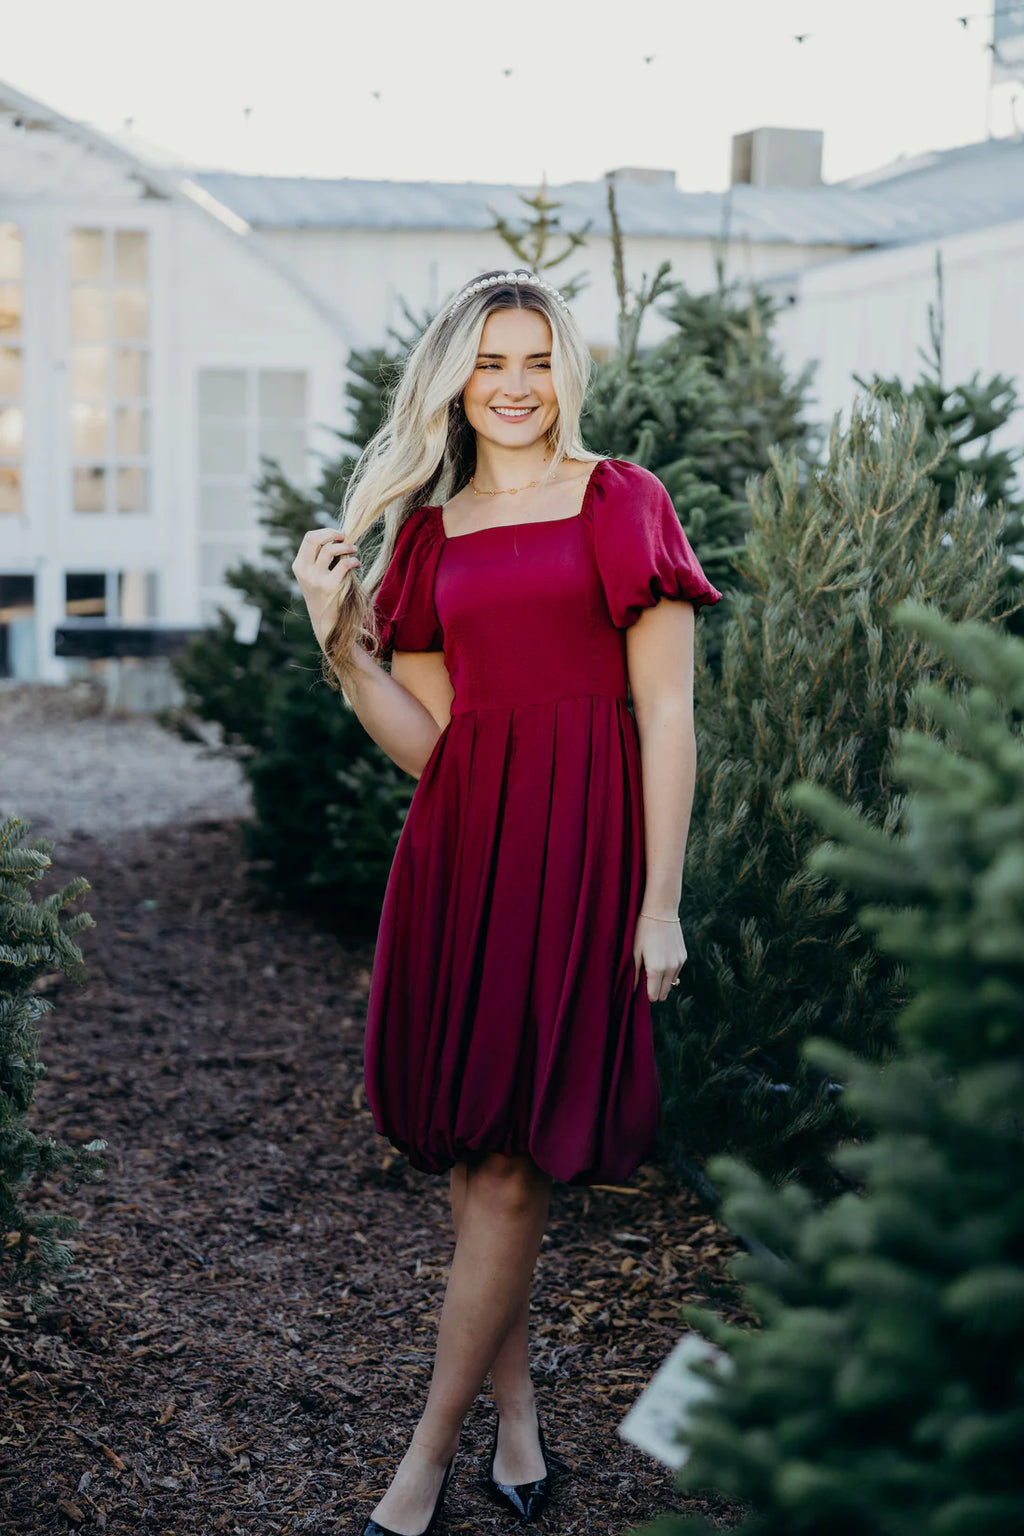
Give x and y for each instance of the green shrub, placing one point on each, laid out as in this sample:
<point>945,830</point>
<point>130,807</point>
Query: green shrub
<point>814,681</point>
<point>959,424</point>
<point>34,940</point>
<point>883,1394</point>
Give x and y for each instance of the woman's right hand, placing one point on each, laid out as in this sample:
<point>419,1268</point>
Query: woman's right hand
<point>320,574</point>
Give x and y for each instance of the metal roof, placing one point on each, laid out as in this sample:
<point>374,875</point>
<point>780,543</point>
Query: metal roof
<point>816,216</point>
<point>953,190</point>
<point>941,193</point>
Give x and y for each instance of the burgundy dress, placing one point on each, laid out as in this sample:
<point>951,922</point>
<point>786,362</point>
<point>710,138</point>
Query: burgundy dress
<point>502,1015</point>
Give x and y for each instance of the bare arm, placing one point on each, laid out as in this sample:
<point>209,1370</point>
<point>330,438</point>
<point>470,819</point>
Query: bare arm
<point>404,712</point>
<point>659,651</point>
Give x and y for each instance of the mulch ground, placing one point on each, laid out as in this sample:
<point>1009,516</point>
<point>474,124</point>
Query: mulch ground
<point>247,1337</point>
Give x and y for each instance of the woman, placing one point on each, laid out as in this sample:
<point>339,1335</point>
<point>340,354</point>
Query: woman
<point>522,586</point>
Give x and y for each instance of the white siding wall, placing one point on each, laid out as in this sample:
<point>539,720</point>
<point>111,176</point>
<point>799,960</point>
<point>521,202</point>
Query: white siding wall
<point>869,314</point>
<point>364,275</point>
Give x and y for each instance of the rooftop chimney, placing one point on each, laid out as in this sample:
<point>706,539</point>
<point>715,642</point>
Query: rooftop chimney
<point>777,157</point>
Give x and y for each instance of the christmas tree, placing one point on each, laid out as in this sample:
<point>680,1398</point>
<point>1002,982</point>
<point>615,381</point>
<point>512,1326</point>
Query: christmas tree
<point>702,409</point>
<point>814,682</point>
<point>533,243</point>
<point>960,422</point>
<point>36,940</point>
<point>882,1395</point>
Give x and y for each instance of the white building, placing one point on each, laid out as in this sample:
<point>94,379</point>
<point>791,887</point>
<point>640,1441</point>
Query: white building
<point>868,313</point>
<point>160,330</point>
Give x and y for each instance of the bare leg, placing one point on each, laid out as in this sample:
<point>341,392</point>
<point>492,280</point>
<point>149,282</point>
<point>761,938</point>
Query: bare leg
<point>502,1219</point>
<point>519,1458</point>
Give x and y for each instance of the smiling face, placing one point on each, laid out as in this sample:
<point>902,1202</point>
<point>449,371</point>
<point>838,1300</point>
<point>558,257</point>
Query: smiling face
<point>510,398</point>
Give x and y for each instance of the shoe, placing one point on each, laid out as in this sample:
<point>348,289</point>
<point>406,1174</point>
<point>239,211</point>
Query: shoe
<point>523,1499</point>
<point>371,1527</point>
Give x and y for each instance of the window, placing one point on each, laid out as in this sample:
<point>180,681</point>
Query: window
<point>126,595</point>
<point>245,415</point>
<point>12,412</point>
<point>110,370</point>
<point>18,627</point>
<point>85,595</point>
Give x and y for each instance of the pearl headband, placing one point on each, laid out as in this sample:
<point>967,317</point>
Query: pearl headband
<point>500,281</point>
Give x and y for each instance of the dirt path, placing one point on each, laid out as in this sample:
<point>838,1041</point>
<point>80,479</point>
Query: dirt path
<point>249,1332</point>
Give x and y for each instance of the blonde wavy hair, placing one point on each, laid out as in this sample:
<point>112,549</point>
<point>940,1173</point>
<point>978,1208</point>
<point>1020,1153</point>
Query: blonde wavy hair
<point>425,450</point>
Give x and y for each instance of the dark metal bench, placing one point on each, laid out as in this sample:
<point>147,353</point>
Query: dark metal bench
<point>96,639</point>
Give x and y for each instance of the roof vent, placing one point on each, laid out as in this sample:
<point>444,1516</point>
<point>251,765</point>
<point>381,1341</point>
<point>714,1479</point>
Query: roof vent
<point>777,157</point>
<point>643,174</point>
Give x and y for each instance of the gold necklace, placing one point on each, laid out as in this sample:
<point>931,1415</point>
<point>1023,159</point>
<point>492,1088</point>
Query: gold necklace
<point>509,491</point>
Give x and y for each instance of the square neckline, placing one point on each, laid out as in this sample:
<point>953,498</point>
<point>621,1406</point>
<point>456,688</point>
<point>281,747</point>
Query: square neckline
<point>535,522</point>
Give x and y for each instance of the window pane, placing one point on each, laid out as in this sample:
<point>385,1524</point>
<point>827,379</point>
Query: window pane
<point>88,431</point>
<point>225,508</point>
<point>10,251</point>
<point>90,489</point>
<point>89,372</point>
<point>10,488</point>
<point>12,430</point>
<point>222,450</point>
<point>131,431</point>
<point>90,309</point>
<point>10,372</point>
<point>86,255</point>
<point>222,392</point>
<point>17,591</point>
<point>133,596</point>
<point>130,256</point>
<point>10,309</point>
<point>282,395</point>
<point>215,559</point>
<point>131,313</point>
<point>131,373</point>
<point>288,446</point>
<point>85,594</point>
<point>131,489</point>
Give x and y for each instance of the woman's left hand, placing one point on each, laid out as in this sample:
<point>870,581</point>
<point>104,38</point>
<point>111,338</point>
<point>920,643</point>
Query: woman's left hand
<point>659,948</point>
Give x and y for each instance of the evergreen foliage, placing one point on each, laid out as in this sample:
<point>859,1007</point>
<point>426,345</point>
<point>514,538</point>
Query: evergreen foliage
<point>814,682</point>
<point>959,424</point>
<point>35,939</point>
<point>533,243</point>
<point>701,409</point>
<point>633,302</point>
<point>882,1396</point>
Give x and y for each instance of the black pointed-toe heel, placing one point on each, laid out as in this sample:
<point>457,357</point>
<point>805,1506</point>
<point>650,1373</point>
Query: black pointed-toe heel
<point>371,1527</point>
<point>526,1500</point>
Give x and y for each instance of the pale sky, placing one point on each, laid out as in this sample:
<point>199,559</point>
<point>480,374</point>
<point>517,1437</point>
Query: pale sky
<point>288,87</point>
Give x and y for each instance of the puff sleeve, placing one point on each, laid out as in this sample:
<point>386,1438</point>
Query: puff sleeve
<point>404,602</point>
<point>641,550</point>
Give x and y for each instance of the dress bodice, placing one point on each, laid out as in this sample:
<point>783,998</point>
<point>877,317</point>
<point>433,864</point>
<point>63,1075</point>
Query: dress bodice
<point>526,613</point>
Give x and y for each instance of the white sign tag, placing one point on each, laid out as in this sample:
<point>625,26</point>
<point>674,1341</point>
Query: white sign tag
<point>657,1420</point>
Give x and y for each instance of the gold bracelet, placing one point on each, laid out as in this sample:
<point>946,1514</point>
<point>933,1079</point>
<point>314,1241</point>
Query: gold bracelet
<point>659,919</point>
